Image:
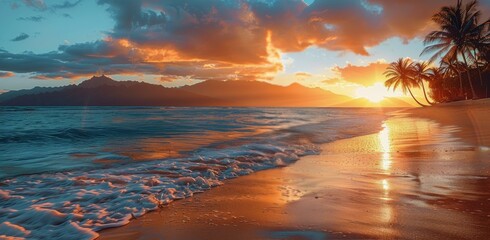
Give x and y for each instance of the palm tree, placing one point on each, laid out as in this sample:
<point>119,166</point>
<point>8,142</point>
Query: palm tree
<point>421,74</point>
<point>437,84</point>
<point>450,69</point>
<point>401,74</point>
<point>453,40</point>
<point>480,45</point>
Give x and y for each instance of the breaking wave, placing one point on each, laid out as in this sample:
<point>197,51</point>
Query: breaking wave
<point>78,202</point>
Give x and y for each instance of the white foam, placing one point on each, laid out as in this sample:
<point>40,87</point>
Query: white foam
<point>77,204</point>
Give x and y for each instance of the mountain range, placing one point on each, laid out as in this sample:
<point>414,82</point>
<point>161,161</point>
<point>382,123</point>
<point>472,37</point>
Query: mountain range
<point>104,91</point>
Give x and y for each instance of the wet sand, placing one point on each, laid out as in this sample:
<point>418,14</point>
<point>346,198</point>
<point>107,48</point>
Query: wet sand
<point>426,175</point>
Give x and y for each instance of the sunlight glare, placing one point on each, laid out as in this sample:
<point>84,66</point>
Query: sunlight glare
<point>375,93</point>
<point>384,140</point>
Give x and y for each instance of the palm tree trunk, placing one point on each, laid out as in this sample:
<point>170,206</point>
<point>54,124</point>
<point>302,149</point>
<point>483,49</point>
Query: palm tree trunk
<point>487,91</point>
<point>410,91</point>
<point>479,75</point>
<point>425,95</point>
<point>469,77</point>
<point>479,71</point>
<point>487,82</point>
<point>461,90</point>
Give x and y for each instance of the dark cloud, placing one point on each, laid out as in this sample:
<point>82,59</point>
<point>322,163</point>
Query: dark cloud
<point>218,39</point>
<point>21,37</point>
<point>237,31</point>
<point>358,25</point>
<point>61,65</point>
<point>115,57</point>
<point>214,30</point>
<point>66,15</point>
<point>33,18</point>
<point>67,4</point>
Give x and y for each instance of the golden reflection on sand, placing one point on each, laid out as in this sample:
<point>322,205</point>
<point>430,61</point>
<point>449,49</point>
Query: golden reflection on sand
<point>386,210</point>
<point>385,146</point>
<point>390,183</point>
<point>415,179</point>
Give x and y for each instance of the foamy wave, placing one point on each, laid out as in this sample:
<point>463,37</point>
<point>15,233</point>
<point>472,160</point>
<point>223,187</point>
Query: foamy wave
<point>77,203</point>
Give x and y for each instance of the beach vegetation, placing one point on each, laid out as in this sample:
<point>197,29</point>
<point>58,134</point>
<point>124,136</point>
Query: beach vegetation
<point>458,67</point>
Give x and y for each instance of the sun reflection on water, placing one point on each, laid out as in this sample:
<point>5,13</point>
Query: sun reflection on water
<point>385,146</point>
<point>385,184</point>
<point>384,139</point>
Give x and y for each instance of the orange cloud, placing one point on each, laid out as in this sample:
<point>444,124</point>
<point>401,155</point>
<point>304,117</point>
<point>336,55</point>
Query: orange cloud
<point>168,78</point>
<point>363,75</point>
<point>6,74</point>
<point>233,39</point>
<point>332,81</point>
<point>240,31</point>
<point>302,75</point>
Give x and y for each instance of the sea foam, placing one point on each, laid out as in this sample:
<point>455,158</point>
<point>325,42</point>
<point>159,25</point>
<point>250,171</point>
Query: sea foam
<point>78,203</point>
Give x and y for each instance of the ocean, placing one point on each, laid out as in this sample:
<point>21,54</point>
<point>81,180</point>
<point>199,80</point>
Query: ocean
<point>71,171</point>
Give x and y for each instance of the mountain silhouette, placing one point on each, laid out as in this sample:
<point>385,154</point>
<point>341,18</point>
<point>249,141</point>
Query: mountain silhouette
<point>104,91</point>
<point>255,93</point>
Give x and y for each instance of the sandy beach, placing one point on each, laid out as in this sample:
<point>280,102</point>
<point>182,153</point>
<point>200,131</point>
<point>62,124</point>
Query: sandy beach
<point>245,119</point>
<point>426,175</point>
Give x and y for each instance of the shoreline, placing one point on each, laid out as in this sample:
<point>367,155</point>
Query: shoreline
<point>469,115</point>
<point>381,185</point>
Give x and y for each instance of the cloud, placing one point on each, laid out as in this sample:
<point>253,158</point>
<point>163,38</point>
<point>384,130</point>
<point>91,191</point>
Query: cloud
<point>362,75</point>
<point>36,4</point>
<point>117,57</point>
<point>66,15</point>
<point>70,64</point>
<point>217,39</point>
<point>6,74</point>
<point>33,18</point>
<point>302,75</point>
<point>168,78</point>
<point>236,31</point>
<point>21,37</point>
<point>14,6</point>
<point>40,5</point>
<point>332,81</point>
<point>213,30</point>
<point>67,4</point>
<point>358,25</point>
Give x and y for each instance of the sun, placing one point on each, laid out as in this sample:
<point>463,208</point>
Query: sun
<point>375,93</point>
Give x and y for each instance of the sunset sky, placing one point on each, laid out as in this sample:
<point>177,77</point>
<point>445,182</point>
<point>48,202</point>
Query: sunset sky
<point>342,46</point>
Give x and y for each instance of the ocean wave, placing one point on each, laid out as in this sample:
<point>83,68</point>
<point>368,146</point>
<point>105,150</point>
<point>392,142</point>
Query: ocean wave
<point>78,203</point>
